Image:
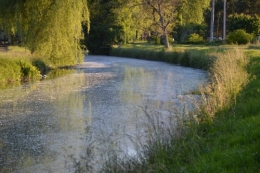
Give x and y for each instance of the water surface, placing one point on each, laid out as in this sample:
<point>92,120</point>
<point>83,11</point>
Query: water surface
<point>78,121</point>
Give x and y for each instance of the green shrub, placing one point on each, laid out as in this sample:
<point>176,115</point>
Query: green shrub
<point>29,72</point>
<point>246,22</point>
<point>195,39</point>
<point>239,37</point>
<point>15,71</point>
<point>181,32</point>
<point>10,72</point>
<point>40,65</point>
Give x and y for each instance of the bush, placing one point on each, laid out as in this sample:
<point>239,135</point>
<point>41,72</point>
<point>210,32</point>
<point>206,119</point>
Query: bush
<point>29,72</point>
<point>241,21</point>
<point>195,39</point>
<point>239,37</point>
<point>181,32</point>
<point>10,72</point>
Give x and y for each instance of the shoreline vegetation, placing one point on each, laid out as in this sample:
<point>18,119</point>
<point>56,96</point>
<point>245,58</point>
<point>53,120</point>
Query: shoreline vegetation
<point>18,65</point>
<point>223,134</point>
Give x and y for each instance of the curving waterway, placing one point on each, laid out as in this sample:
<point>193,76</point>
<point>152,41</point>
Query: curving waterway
<point>80,120</point>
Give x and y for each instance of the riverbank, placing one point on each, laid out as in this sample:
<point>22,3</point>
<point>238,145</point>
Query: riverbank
<point>17,65</point>
<point>223,135</point>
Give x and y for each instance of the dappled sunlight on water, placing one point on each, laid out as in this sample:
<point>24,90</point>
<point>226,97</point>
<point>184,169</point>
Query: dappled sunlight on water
<point>80,120</point>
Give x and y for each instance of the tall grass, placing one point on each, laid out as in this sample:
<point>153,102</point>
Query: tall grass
<point>221,136</point>
<point>227,78</point>
<point>16,66</point>
<point>196,58</point>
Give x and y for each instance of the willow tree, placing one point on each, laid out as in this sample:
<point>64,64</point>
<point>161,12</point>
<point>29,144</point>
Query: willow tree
<point>50,28</point>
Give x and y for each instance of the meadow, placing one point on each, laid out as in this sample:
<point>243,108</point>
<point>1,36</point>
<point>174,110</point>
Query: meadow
<point>222,134</point>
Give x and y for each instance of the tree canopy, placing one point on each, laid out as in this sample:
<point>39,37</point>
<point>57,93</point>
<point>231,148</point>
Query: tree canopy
<point>51,28</point>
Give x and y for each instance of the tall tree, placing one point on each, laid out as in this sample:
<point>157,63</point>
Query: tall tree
<point>51,28</point>
<point>224,20</point>
<point>164,12</point>
<point>212,20</point>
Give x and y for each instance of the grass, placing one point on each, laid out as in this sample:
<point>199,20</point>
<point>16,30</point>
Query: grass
<point>19,65</point>
<point>225,136</point>
<point>186,55</point>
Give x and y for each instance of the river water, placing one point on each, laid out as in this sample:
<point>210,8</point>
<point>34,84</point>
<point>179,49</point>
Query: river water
<point>78,121</point>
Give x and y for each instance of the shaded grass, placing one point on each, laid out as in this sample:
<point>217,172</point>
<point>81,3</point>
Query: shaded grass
<point>226,138</point>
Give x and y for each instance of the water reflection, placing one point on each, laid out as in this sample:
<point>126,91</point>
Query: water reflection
<point>78,121</point>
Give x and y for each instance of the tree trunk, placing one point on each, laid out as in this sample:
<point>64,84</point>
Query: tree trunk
<point>212,21</point>
<point>166,41</point>
<point>165,34</point>
<point>224,22</point>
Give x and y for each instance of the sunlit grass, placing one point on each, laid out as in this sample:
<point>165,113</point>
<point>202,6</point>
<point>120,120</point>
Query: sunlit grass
<point>16,66</point>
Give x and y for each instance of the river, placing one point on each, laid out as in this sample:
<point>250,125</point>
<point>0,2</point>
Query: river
<point>80,120</point>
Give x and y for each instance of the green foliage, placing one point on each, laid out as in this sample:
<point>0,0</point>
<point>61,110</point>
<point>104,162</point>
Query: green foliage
<point>192,11</point>
<point>105,30</point>
<point>190,58</point>
<point>182,32</point>
<point>195,39</point>
<point>50,28</point>
<point>10,72</point>
<point>251,24</point>
<point>15,71</point>
<point>28,71</point>
<point>249,7</point>
<point>239,37</point>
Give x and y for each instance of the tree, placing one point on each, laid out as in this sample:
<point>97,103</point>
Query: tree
<point>212,20</point>
<point>251,24</point>
<point>105,28</point>
<point>191,20</point>
<point>249,7</point>
<point>134,19</point>
<point>192,11</point>
<point>50,28</point>
<point>224,20</point>
<point>164,12</point>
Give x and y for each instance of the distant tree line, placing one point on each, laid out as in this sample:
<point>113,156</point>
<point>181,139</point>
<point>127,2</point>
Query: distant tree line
<point>161,21</point>
<point>58,29</point>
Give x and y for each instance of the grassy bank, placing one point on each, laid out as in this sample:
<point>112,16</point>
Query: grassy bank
<point>223,135</point>
<point>17,65</point>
